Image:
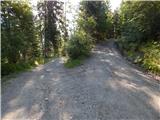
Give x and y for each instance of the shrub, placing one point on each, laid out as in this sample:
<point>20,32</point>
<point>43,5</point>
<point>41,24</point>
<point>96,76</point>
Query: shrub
<point>151,59</point>
<point>9,68</point>
<point>80,44</point>
<point>146,54</point>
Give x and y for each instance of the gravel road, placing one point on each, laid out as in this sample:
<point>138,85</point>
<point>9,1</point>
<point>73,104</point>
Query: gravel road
<point>105,87</point>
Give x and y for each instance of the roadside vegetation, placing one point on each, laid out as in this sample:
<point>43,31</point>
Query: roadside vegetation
<point>147,55</point>
<point>78,48</point>
<point>29,40</point>
<point>138,31</point>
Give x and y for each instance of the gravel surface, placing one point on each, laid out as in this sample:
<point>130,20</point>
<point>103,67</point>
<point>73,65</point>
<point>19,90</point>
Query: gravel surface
<point>105,87</point>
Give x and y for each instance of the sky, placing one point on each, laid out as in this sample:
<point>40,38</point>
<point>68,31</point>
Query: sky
<point>115,4</point>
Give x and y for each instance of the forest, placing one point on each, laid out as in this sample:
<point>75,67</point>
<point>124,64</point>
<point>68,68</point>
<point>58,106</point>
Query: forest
<point>28,40</point>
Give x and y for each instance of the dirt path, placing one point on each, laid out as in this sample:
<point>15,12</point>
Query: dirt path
<point>104,88</point>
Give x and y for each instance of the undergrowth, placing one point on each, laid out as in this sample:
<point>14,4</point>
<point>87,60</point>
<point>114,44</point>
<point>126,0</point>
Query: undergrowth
<point>147,55</point>
<point>9,70</point>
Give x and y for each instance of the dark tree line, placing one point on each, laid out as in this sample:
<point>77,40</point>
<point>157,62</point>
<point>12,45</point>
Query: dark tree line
<point>19,42</point>
<point>51,15</point>
<point>94,18</point>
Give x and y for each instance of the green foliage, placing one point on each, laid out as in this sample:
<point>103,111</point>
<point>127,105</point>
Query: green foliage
<point>116,22</point>
<point>80,44</point>
<point>52,26</point>
<point>19,40</point>
<point>146,55</point>
<point>88,24</point>
<point>23,36</point>
<point>12,68</point>
<point>151,58</point>
<point>18,34</point>
<point>71,63</point>
<point>138,23</point>
<point>93,18</point>
<point>140,29</point>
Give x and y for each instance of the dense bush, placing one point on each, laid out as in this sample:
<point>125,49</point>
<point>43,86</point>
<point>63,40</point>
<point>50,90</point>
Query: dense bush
<point>147,54</point>
<point>93,19</point>
<point>79,45</point>
<point>151,59</point>
<point>8,68</point>
<point>138,23</point>
<point>139,29</point>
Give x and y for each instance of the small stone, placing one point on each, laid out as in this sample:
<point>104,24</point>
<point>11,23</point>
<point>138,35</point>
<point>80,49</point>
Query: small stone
<point>46,99</point>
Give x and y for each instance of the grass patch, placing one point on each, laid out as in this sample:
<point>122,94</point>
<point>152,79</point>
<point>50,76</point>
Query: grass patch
<point>12,70</point>
<point>71,63</point>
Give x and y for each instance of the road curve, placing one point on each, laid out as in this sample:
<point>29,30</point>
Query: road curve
<point>105,87</point>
